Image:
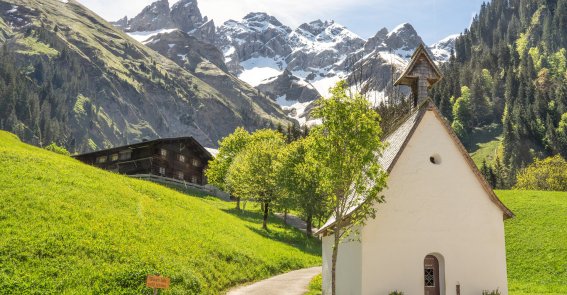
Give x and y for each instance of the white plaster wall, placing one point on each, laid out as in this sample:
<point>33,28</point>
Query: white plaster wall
<point>348,266</point>
<point>440,209</point>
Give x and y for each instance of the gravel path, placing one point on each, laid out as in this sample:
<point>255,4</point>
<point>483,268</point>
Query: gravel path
<point>291,283</point>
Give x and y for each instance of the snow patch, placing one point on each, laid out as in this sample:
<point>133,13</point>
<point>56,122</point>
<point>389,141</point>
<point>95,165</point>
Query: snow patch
<point>257,69</point>
<point>144,36</point>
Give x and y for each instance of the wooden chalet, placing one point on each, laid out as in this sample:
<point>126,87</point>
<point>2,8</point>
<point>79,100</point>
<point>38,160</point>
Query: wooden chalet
<point>182,159</point>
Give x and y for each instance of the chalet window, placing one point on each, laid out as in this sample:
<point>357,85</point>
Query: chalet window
<point>194,179</point>
<point>114,157</point>
<point>161,171</point>
<point>101,159</point>
<point>180,175</point>
<point>163,152</point>
<point>125,155</point>
<point>196,162</point>
<point>182,158</point>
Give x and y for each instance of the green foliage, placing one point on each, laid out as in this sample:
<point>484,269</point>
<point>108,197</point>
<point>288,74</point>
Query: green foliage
<point>315,286</point>
<point>70,228</point>
<point>346,147</point>
<point>299,180</point>
<point>396,293</point>
<point>229,148</point>
<point>253,173</point>
<point>536,249</point>
<point>57,149</point>
<point>547,175</point>
<point>513,59</point>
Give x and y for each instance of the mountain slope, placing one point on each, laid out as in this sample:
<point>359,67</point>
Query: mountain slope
<point>90,86</point>
<point>73,229</point>
<point>510,70</point>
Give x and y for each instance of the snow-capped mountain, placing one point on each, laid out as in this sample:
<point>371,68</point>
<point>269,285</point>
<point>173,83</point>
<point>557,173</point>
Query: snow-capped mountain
<point>159,17</point>
<point>443,49</point>
<point>292,66</point>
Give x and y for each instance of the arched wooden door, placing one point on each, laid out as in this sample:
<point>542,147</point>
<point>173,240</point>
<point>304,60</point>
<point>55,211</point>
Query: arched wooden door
<point>431,275</point>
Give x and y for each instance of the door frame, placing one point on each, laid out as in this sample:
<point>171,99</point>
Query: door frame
<point>441,281</point>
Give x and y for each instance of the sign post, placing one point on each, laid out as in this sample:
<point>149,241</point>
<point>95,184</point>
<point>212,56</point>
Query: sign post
<point>157,282</point>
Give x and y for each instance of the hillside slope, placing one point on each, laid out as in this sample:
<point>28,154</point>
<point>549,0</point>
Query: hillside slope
<point>73,229</point>
<point>83,83</point>
<point>536,242</point>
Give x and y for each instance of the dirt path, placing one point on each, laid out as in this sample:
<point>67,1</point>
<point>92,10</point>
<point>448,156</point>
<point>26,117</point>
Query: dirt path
<point>291,283</point>
<point>295,222</point>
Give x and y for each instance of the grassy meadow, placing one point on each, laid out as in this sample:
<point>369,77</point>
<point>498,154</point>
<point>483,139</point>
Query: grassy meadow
<point>536,242</point>
<point>69,228</point>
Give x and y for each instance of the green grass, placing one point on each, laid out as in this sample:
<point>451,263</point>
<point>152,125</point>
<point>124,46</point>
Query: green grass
<point>536,242</point>
<point>34,47</point>
<point>69,228</point>
<point>483,143</point>
<point>316,286</point>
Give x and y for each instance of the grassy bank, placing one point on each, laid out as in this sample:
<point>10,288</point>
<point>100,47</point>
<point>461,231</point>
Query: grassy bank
<point>73,229</point>
<point>536,242</point>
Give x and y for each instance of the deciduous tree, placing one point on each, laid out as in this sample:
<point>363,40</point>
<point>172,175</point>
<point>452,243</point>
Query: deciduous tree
<point>347,146</point>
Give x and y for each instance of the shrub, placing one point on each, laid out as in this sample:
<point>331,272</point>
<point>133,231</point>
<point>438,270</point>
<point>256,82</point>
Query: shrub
<point>493,292</point>
<point>396,293</point>
<point>547,175</point>
<point>57,149</point>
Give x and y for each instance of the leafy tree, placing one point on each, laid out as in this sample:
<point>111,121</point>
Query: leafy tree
<point>254,171</point>
<point>229,148</point>
<point>347,146</point>
<point>549,175</point>
<point>299,180</point>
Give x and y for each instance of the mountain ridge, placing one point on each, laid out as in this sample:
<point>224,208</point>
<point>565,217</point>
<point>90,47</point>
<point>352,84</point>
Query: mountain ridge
<point>94,87</point>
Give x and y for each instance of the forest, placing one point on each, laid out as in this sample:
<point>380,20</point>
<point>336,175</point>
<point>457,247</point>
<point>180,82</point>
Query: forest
<point>508,73</point>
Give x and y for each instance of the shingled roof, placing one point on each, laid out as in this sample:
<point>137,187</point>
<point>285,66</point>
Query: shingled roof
<point>397,141</point>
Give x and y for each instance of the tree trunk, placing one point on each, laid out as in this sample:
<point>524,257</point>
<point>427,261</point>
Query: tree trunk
<point>265,225</point>
<point>334,261</point>
<point>309,227</point>
<point>238,203</point>
<point>285,217</point>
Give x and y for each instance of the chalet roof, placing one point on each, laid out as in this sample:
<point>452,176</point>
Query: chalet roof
<point>396,143</point>
<point>188,139</point>
<point>406,78</point>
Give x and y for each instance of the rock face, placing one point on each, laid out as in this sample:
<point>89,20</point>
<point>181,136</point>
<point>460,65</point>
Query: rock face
<point>257,35</point>
<point>186,50</point>
<point>158,16</point>
<point>154,17</point>
<point>287,89</point>
<point>185,15</point>
<point>273,57</point>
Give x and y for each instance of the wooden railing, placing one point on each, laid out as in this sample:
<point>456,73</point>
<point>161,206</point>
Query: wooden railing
<point>209,189</point>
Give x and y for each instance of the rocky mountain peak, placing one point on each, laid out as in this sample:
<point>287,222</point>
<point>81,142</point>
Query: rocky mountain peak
<point>153,17</point>
<point>403,39</point>
<point>376,41</point>
<point>315,27</point>
<point>261,21</point>
<point>186,15</point>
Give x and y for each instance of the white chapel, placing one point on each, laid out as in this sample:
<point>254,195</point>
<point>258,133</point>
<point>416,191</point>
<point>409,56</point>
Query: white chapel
<point>441,229</point>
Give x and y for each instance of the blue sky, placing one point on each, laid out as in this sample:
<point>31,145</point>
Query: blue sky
<point>433,19</point>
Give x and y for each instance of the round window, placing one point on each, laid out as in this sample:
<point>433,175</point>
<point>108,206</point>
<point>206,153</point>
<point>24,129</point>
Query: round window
<point>435,159</point>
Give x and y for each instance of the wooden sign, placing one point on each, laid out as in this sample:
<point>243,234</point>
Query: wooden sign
<point>157,282</point>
